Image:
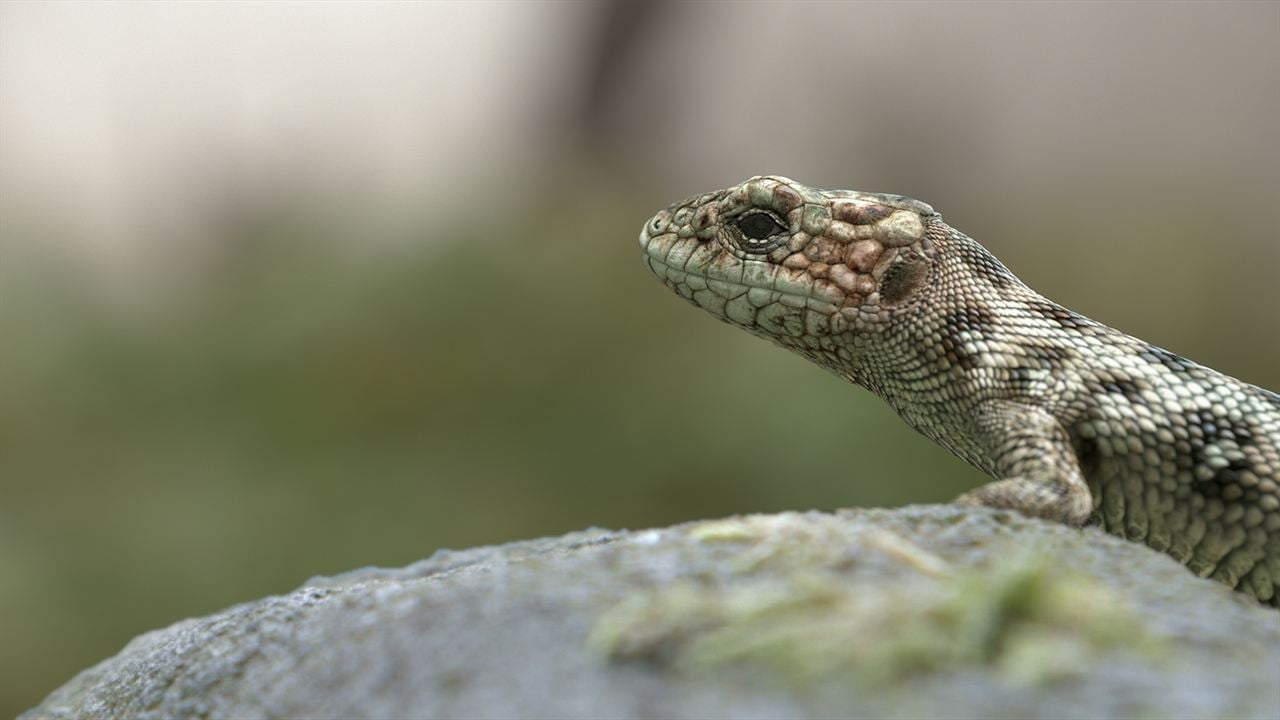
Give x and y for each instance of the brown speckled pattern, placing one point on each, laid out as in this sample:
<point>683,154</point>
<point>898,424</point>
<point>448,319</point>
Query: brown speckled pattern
<point>1074,419</point>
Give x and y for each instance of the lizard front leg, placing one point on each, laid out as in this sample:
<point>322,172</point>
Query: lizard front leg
<point>1032,455</point>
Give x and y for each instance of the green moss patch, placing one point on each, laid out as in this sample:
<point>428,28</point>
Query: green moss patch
<point>1028,621</point>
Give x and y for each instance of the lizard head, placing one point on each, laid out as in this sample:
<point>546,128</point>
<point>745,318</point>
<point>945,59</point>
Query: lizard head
<point>810,269</point>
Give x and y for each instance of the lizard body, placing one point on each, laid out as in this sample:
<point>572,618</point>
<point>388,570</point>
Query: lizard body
<point>1075,421</point>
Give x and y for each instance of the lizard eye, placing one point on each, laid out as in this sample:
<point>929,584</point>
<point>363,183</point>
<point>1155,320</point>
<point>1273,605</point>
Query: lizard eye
<point>759,231</point>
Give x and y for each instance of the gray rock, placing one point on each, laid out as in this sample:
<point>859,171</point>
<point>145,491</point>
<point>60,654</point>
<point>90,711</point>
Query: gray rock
<point>917,612</point>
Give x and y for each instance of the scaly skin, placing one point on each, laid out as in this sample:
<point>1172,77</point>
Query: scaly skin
<point>1075,420</point>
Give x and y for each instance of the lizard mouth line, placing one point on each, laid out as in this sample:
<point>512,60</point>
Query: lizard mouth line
<point>810,301</point>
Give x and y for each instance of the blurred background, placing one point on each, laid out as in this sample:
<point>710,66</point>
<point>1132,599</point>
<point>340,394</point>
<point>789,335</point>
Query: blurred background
<point>288,289</point>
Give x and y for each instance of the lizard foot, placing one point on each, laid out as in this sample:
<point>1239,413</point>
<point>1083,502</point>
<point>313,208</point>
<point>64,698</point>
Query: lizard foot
<point>1070,504</point>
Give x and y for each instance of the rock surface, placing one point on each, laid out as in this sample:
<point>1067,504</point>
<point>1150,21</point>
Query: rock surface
<point>920,612</point>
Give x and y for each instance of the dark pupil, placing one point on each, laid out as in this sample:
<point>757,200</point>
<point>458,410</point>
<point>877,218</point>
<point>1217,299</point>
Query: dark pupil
<point>758,226</point>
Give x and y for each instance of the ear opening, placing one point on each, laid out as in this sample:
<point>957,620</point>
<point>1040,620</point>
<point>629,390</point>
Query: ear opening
<point>902,279</point>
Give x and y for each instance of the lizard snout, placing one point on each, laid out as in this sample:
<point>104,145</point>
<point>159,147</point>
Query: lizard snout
<point>656,225</point>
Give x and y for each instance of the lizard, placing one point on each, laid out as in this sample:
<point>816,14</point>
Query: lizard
<point>1075,421</point>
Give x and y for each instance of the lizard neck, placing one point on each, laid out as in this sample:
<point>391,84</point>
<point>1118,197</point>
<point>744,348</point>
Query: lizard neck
<point>945,353</point>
